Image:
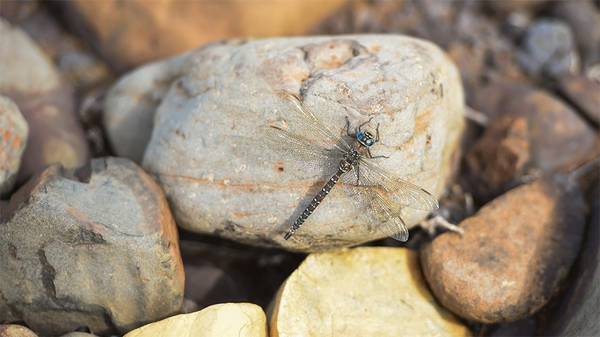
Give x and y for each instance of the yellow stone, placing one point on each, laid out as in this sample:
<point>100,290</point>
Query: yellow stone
<point>219,320</point>
<point>369,291</point>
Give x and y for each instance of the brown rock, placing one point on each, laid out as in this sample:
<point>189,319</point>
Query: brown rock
<point>584,93</point>
<point>134,32</point>
<point>514,254</point>
<point>13,137</point>
<point>99,251</point>
<point>45,101</point>
<point>79,334</point>
<point>536,132</point>
<point>12,330</point>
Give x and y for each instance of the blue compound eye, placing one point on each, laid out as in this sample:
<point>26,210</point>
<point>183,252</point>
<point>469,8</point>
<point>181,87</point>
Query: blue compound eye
<point>360,135</point>
<point>369,142</point>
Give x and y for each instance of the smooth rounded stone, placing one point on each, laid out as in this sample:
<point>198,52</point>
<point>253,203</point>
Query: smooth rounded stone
<point>13,330</point>
<point>549,49</point>
<point>584,93</point>
<point>130,105</point>
<point>13,137</point>
<point>219,320</point>
<point>134,32</point>
<point>368,291</point>
<point>79,334</point>
<point>532,132</point>
<point>513,256</point>
<point>96,249</point>
<point>207,152</point>
<point>46,102</point>
<point>576,311</point>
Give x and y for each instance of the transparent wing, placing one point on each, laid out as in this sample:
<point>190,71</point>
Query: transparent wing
<point>304,124</point>
<point>369,197</point>
<point>395,190</point>
<point>300,149</point>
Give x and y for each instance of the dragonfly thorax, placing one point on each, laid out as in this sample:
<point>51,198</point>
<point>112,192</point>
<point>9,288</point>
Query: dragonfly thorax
<point>350,159</point>
<point>365,138</point>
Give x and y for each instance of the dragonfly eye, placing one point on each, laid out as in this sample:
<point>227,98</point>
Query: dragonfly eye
<point>369,142</point>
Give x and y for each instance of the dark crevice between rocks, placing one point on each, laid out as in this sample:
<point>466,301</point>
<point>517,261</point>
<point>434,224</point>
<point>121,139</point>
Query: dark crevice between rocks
<point>48,275</point>
<point>576,107</point>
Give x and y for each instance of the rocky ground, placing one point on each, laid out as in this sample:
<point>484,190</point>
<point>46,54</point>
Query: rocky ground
<point>139,196</point>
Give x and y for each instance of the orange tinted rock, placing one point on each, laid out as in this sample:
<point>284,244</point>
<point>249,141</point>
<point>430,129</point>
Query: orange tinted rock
<point>97,250</point>
<point>514,254</point>
<point>13,137</point>
<point>134,32</point>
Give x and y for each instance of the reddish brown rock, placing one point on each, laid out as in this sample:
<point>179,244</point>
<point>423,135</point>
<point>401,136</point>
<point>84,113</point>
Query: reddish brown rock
<point>13,137</point>
<point>97,250</point>
<point>46,102</point>
<point>533,132</point>
<point>514,254</point>
<point>13,330</point>
<point>584,93</point>
<point>134,32</point>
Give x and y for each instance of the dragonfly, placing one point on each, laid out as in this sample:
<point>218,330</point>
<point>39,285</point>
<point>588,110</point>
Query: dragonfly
<point>349,158</point>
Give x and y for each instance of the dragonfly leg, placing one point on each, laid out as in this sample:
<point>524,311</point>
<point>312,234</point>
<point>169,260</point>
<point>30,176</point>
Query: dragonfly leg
<point>348,132</point>
<point>374,157</point>
<point>438,221</point>
<point>377,133</point>
<point>365,123</point>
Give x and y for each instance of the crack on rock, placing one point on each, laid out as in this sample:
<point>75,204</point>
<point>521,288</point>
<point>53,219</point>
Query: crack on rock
<point>48,274</point>
<point>83,236</point>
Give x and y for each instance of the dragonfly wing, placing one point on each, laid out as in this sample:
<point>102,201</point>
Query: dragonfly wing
<point>394,189</point>
<point>299,149</point>
<point>369,197</point>
<point>301,121</point>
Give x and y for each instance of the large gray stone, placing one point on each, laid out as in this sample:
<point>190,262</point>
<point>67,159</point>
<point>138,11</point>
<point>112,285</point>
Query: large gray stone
<point>99,251</point>
<point>206,147</point>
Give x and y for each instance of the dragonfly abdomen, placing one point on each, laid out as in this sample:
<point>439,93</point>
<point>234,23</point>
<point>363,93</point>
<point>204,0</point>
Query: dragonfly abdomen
<point>315,202</point>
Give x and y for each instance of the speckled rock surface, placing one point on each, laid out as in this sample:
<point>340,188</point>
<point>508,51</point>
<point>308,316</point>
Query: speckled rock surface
<point>369,291</point>
<point>514,254</point>
<point>220,179</point>
<point>46,102</point>
<point>13,137</point>
<point>99,251</point>
<point>13,330</point>
<point>219,320</point>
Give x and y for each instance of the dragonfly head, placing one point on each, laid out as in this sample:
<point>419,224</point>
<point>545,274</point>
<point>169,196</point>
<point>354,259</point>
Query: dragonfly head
<point>365,138</point>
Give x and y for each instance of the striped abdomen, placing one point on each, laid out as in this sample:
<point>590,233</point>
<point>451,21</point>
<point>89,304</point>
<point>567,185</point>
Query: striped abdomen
<point>315,202</point>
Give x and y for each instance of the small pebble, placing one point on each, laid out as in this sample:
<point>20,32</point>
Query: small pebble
<point>514,255</point>
<point>549,50</point>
